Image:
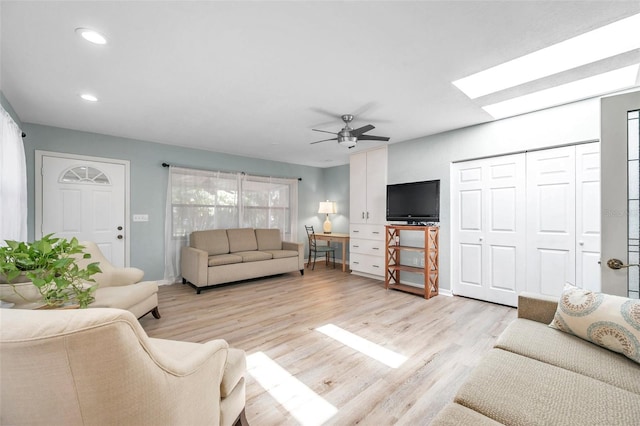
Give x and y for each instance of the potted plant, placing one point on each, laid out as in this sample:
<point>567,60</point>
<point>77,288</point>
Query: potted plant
<point>50,265</point>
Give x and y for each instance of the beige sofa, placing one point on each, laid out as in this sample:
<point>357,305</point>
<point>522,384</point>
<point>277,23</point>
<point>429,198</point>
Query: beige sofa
<point>98,366</point>
<point>537,375</point>
<point>220,256</point>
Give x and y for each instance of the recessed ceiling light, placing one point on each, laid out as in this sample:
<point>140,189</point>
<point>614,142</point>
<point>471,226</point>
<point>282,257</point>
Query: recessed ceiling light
<point>89,97</point>
<point>585,88</point>
<point>604,42</point>
<point>91,35</point>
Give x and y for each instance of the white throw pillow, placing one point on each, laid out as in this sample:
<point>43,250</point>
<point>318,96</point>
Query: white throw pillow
<point>612,322</point>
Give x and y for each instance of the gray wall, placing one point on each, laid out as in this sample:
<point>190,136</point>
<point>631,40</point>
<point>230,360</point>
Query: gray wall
<point>430,157</point>
<point>149,180</point>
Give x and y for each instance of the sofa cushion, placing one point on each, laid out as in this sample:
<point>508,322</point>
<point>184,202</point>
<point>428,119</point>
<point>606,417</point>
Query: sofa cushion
<point>242,239</point>
<point>610,321</point>
<point>280,254</point>
<point>456,415</point>
<point>535,340</point>
<point>224,259</point>
<point>516,390</point>
<point>213,241</point>
<point>253,256</point>
<point>268,239</point>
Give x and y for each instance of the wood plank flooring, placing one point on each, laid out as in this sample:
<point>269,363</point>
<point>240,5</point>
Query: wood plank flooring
<point>443,339</point>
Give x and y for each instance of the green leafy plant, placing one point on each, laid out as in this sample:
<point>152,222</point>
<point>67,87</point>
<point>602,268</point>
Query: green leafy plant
<point>50,264</point>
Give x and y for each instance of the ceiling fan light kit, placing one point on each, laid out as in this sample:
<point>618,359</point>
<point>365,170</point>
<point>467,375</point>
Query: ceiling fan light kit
<point>349,137</point>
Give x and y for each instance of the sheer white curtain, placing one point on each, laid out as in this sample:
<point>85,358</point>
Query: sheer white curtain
<point>199,200</point>
<point>13,181</point>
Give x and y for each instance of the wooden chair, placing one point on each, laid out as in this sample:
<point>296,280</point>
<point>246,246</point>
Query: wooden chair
<point>314,249</point>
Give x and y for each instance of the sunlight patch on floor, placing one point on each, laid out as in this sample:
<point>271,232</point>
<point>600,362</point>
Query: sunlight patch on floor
<point>377,352</point>
<point>305,405</point>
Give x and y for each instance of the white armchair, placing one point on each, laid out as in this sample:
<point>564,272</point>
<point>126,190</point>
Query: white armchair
<point>98,366</point>
<point>121,288</point>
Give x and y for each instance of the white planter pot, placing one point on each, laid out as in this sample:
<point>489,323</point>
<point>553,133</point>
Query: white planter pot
<point>20,293</point>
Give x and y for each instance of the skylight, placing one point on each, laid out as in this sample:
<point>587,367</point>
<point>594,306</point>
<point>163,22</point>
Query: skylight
<point>600,84</point>
<point>604,42</point>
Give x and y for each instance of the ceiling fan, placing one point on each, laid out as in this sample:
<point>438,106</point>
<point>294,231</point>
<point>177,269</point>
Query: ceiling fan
<point>349,137</point>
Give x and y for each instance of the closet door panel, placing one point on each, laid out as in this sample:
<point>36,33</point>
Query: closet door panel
<point>588,216</point>
<point>551,220</point>
<point>488,202</point>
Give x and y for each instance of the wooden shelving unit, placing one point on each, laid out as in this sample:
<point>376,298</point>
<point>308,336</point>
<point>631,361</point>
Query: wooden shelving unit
<point>393,267</point>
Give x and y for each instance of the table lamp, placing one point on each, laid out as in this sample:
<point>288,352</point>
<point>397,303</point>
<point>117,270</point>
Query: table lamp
<point>327,207</point>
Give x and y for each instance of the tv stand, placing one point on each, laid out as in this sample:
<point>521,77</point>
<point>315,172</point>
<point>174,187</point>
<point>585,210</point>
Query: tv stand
<point>429,270</point>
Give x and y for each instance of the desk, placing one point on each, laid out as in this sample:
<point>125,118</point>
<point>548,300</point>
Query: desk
<point>338,238</point>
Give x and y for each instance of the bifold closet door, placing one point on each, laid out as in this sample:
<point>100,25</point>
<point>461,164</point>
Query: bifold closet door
<point>488,219</point>
<point>563,219</point>
<point>551,215</point>
<point>588,216</point>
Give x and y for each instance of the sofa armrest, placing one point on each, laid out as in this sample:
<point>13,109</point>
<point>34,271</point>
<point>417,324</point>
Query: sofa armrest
<point>120,277</point>
<point>194,264</point>
<point>299,247</point>
<point>537,307</point>
<point>184,358</point>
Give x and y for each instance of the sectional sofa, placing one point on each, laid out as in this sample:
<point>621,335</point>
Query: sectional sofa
<point>219,256</point>
<point>541,375</point>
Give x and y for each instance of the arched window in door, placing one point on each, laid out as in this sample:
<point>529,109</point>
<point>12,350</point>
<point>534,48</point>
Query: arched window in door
<point>85,174</point>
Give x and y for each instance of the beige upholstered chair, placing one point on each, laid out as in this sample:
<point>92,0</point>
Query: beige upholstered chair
<point>121,287</point>
<point>98,366</point>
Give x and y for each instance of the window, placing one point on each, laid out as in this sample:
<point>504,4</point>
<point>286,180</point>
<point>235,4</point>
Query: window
<point>199,200</point>
<point>633,191</point>
<point>84,174</point>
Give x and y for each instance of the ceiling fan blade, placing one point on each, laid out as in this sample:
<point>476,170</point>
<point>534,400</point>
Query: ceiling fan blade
<point>372,138</point>
<point>324,140</point>
<point>361,130</point>
<point>324,131</point>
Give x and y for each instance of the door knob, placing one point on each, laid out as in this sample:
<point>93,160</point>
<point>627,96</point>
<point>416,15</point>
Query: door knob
<point>617,264</point>
<point>119,237</point>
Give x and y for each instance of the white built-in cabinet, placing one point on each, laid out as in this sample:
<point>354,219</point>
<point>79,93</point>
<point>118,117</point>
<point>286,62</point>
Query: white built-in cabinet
<point>368,180</point>
<point>526,221</point>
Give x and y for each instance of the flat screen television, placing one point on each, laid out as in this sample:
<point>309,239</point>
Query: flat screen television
<point>414,202</point>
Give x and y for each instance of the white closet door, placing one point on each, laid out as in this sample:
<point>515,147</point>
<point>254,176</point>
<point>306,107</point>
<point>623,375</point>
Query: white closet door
<point>551,231</point>
<point>488,246</point>
<point>588,216</point>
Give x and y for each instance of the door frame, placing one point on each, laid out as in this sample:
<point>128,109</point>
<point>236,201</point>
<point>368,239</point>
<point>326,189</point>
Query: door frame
<point>37,229</point>
<point>613,184</point>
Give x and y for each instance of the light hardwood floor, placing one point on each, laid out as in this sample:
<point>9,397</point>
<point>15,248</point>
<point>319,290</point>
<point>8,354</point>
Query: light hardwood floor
<point>443,339</point>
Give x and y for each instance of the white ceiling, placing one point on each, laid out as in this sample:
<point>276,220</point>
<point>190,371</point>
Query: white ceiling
<point>253,78</point>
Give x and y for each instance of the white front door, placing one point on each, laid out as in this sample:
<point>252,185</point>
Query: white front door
<point>488,214</point>
<point>84,198</point>
<point>620,135</point>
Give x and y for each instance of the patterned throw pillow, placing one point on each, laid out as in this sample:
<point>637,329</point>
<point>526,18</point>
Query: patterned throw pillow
<point>612,322</point>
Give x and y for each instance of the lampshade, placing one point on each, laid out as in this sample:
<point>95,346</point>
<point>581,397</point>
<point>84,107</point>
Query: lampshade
<point>327,207</point>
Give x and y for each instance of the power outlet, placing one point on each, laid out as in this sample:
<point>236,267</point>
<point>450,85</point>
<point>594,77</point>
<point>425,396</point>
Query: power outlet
<point>141,218</point>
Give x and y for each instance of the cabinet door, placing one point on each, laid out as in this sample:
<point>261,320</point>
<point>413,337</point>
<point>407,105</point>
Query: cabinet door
<point>358,187</point>
<point>376,186</point>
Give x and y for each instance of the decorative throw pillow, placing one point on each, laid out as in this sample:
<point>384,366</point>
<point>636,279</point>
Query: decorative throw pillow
<point>612,322</point>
